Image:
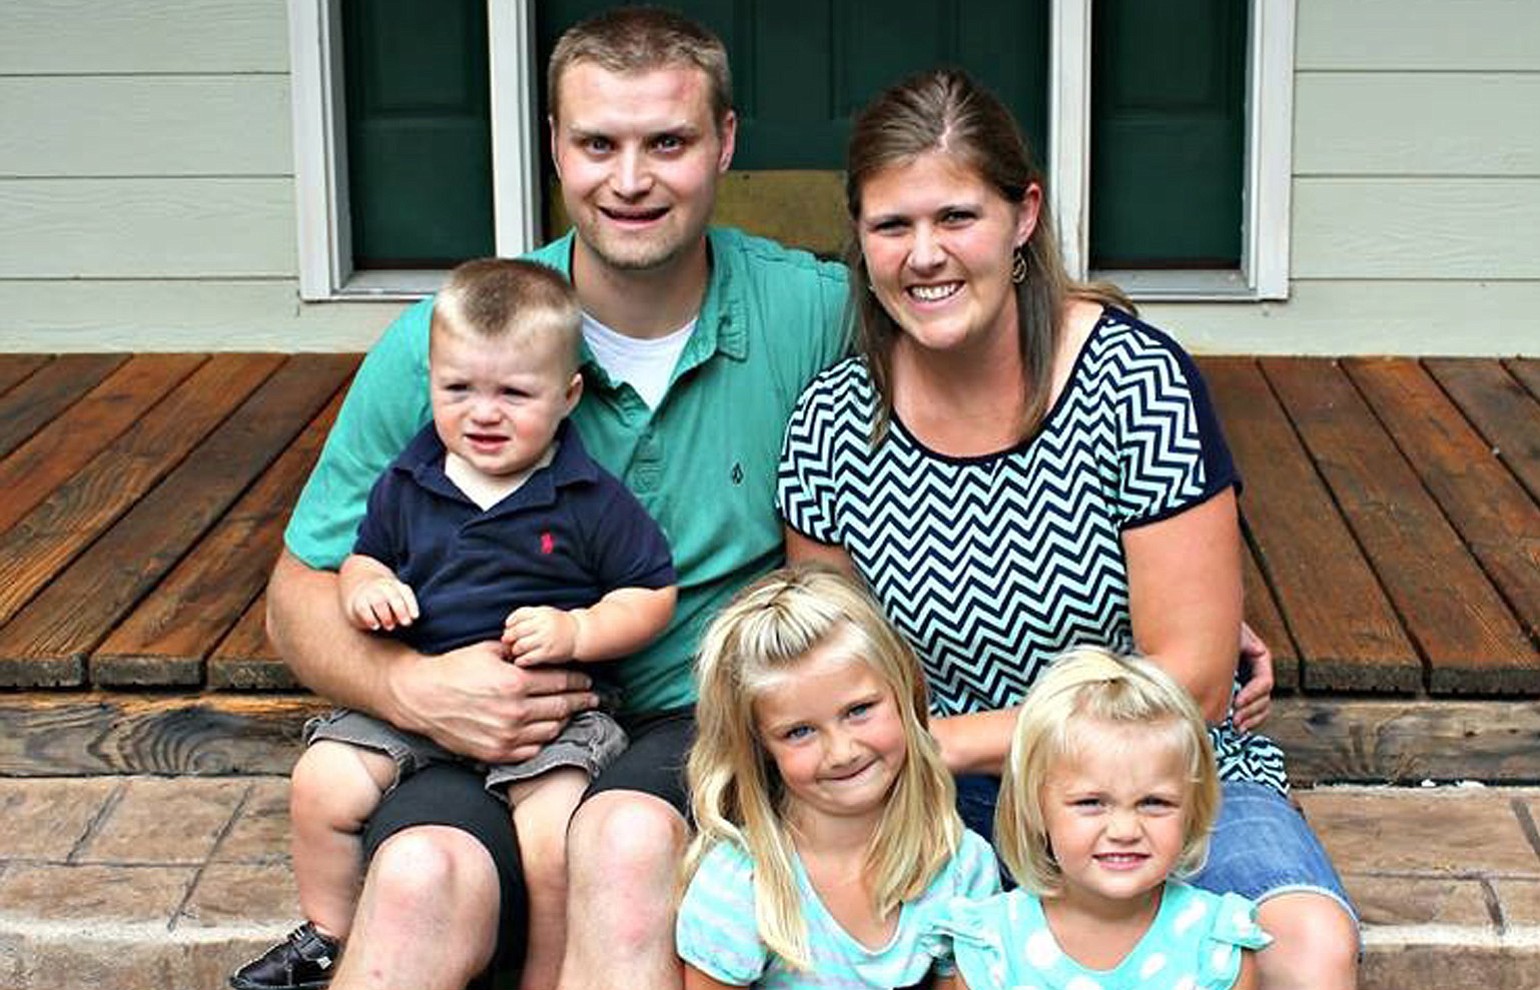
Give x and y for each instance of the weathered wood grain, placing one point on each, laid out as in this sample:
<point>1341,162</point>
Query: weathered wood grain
<point>246,661</point>
<point>16,367</point>
<point>1496,518</point>
<point>1506,413</point>
<point>1460,623</point>
<point>1527,371</point>
<point>1267,622</point>
<point>166,638</point>
<point>73,734</point>
<point>1309,556</point>
<point>78,608</point>
<point>42,544</point>
<point>66,445</point>
<point>47,392</point>
<point>1340,739</point>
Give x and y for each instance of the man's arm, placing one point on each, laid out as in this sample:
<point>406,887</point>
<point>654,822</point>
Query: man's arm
<point>470,701</point>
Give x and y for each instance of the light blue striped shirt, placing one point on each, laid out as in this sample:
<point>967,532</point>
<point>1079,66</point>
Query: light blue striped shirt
<point>717,933</point>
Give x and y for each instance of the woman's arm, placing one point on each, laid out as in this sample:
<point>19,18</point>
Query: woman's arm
<point>1184,596</point>
<point>803,549</point>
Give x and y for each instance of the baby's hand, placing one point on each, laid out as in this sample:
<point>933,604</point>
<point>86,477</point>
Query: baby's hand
<point>540,634</point>
<point>383,603</point>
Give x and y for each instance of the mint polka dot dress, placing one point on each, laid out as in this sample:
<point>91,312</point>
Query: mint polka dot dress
<point>1195,943</point>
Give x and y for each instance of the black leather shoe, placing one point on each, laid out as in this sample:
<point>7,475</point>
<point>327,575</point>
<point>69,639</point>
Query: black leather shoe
<point>303,961</point>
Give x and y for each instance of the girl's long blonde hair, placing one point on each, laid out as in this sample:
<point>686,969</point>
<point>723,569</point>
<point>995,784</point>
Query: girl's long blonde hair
<point>735,792</point>
<point>1085,687</point>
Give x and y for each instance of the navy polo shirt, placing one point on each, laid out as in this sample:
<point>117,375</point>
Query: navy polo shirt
<point>568,536</point>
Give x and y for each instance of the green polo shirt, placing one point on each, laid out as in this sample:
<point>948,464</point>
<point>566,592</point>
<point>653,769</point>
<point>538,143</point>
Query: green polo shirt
<point>703,463</point>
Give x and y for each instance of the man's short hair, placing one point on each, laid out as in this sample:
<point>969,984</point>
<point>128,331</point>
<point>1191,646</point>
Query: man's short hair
<point>627,40</point>
<point>497,297</point>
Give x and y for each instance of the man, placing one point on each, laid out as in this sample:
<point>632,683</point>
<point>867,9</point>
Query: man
<point>698,343</point>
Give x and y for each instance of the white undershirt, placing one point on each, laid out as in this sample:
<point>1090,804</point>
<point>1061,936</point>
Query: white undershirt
<point>645,365</point>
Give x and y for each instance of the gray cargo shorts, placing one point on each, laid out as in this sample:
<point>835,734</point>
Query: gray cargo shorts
<point>590,741</point>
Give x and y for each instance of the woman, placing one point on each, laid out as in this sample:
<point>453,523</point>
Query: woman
<point>1015,465</point>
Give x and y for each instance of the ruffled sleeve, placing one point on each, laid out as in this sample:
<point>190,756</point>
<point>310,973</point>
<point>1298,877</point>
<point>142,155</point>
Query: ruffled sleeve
<point>974,931</point>
<point>1234,929</point>
<point>973,874</point>
<point>716,930</point>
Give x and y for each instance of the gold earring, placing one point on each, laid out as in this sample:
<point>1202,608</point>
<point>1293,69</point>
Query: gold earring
<point>1018,267</point>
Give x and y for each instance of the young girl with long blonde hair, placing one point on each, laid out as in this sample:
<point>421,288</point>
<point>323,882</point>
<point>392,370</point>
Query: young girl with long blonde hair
<point>1109,791</point>
<point>828,836</point>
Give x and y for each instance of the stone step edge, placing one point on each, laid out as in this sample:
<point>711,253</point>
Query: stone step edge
<point>1376,937</point>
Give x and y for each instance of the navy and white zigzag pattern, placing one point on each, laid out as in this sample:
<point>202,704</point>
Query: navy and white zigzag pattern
<point>991,566</point>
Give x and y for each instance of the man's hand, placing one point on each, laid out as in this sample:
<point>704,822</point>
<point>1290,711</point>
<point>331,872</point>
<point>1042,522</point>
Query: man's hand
<point>1255,698</point>
<point>540,635</point>
<point>472,701</point>
<point>381,603</point>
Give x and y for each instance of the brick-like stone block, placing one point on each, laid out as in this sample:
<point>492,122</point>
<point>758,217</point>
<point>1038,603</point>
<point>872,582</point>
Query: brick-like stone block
<point>261,833</point>
<point>1520,900</point>
<point>1419,901</point>
<point>165,820</point>
<point>1426,831</point>
<point>69,806</point>
<point>243,893</point>
<point>1450,967</point>
<point>93,893</point>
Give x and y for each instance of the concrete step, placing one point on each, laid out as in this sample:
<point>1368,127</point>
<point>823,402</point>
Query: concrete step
<point>137,882</point>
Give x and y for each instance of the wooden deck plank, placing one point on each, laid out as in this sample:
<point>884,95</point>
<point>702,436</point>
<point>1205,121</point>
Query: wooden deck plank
<point>1464,629</point>
<point>167,637</point>
<point>39,399</point>
<point>48,538</point>
<point>1496,518</point>
<point>16,367</point>
<point>78,609</point>
<point>1505,412</point>
<point>1305,549</point>
<point>246,661</point>
<point>1527,371</point>
<point>1267,622</point>
<point>66,445</point>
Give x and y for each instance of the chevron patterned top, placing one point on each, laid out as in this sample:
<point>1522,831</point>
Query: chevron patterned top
<point>992,565</point>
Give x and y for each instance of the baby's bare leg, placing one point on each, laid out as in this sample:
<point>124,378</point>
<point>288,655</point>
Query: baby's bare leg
<point>541,810</point>
<point>334,789</point>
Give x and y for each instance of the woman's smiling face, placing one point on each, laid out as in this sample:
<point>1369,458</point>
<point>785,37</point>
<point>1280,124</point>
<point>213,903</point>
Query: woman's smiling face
<point>938,243</point>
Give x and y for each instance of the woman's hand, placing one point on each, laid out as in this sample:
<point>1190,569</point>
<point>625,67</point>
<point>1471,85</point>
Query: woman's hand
<point>1255,698</point>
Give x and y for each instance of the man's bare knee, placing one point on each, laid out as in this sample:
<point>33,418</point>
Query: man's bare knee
<point>432,868</point>
<point>627,832</point>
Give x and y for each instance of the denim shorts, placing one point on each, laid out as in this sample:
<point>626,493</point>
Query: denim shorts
<point>1261,845</point>
<point>590,742</point>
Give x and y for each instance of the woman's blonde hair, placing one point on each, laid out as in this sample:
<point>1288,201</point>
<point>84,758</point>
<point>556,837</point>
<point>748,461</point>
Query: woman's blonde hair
<point>946,111</point>
<point>736,793</point>
<point>1084,688</point>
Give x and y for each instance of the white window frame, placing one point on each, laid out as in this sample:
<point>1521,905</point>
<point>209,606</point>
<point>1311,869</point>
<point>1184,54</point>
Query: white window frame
<point>320,151</point>
<point>325,249</point>
<point>1264,270</point>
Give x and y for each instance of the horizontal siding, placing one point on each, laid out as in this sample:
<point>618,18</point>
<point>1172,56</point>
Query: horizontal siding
<point>137,228</point>
<point>145,126</point>
<point>144,36</point>
<point>1423,35</point>
<point>1416,228</point>
<point>201,315</point>
<point>1364,317</point>
<point>1403,123</point>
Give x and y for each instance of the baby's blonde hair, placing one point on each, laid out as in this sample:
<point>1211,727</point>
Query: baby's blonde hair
<point>494,298</point>
<point>1083,687</point>
<point>736,793</point>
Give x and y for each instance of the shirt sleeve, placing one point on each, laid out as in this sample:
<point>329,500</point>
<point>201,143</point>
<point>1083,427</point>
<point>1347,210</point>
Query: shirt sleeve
<point>807,482</point>
<point>716,931</point>
<point>1233,929</point>
<point>1172,453</point>
<point>385,406</point>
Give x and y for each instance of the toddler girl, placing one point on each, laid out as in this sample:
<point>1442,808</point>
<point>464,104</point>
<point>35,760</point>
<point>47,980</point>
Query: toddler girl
<point>828,835</point>
<point>1110,789</point>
